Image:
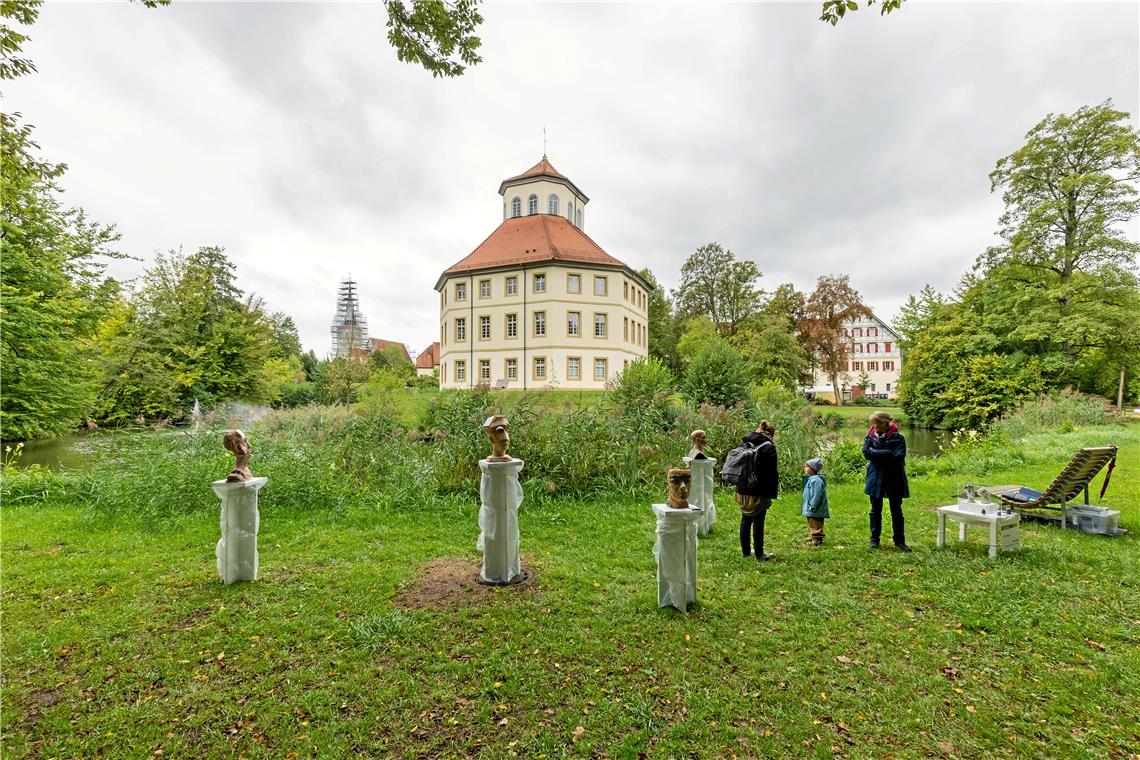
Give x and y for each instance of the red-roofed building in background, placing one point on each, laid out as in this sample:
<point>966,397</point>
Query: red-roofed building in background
<point>538,303</point>
<point>428,360</point>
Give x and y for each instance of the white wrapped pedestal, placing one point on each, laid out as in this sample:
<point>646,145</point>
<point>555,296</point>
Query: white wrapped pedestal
<point>501,495</point>
<point>701,492</point>
<point>676,553</point>
<point>237,549</point>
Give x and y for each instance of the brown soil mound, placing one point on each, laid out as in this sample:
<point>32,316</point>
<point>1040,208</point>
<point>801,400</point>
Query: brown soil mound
<point>450,582</point>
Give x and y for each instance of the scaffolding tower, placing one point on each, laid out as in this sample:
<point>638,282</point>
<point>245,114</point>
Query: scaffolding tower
<point>349,327</point>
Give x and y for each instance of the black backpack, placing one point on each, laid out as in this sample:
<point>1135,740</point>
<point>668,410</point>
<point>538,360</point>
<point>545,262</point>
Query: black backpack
<point>738,465</point>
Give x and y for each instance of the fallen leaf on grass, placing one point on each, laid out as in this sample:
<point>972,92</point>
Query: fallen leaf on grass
<point>1096,644</point>
<point>579,732</point>
<point>971,709</point>
<point>503,722</point>
<point>847,660</point>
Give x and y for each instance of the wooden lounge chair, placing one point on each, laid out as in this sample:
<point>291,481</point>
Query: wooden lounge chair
<point>1073,480</point>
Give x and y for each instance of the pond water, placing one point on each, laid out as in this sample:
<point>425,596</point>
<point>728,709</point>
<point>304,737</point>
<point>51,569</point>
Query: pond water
<point>49,452</point>
<point>919,441</point>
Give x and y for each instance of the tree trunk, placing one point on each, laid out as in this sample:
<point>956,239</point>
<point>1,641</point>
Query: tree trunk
<point>835,388</point>
<point>1120,391</point>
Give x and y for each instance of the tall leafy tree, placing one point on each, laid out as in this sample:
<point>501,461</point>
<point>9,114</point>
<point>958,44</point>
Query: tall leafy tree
<point>437,34</point>
<point>770,343</point>
<point>663,334</point>
<point>825,311</point>
<point>916,315</point>
<point>53,295</point>
<point>190,327</point>
<point>716,285</point>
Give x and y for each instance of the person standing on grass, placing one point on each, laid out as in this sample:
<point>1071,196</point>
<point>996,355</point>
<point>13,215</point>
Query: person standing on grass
<point>755,491</point>
<point>885,451</point>
<point>815,501</point>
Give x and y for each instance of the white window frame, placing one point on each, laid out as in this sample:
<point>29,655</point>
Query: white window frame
<point>461,329</point>
<point>552,204</point>
<point>512,285</point>
<point>539,321</point>
<point>512,325</point>
<point>532,204</point>
<point>484,288</point>
<point>539,278</point>
<point>574,326</point>
<point>516,207</point>
<point>605,282</point>
<point>484,327</point>
<point>511,368</point>
<point>603,323</point>
<point>605,365</point>
<point>573,367</point>
<point>573,277</point>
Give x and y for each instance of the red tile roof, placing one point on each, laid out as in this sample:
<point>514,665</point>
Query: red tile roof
<point>429,357</point>
<point>378,344</point>
<point>532,239</point>
<point>542,169</point>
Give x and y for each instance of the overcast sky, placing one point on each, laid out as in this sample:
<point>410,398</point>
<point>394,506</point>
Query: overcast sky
<point>289,134</point>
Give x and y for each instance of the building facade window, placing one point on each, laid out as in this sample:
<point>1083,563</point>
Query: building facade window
<point>625,328</point>
<point>574,368</point>
<point>886,347</point>
<point>532,204</point>
<point>484,328</point>
<point>461,329</point>
<point>512,286</point>
<point>512,325</point>
<point>573,283</point>
<point>460,291</point>
<point>888,366</point>
<point>574,323</point>
<point>599,325</point>
<point>512,369</point>
<point>516,207</point>
<point>578,218</point>
<point>540,368</point>
<point>601,285</point>
<point>873,366</point>
<point>540,283</point>
<point>888,387</point>
<point>552,204</point>
<point>485,370</point>
<point>484,288</point>
<point>539,324</point>
<point>570,211</point>
<point>460,371</point>
<point>856,365</point>
<point>599,368</point>
<point>625,289</point>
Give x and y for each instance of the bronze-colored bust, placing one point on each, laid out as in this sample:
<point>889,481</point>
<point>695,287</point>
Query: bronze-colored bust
<point>236,442</point>
<point>699,440</point>
<point>677,483</point>
<point>498,429</point>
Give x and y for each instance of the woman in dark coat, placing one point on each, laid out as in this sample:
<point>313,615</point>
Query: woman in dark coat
<point>885,451</point>
<point>754,493</point>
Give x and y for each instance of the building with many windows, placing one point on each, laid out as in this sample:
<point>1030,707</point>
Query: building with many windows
<point>539,304</point>
<point>874,366</point>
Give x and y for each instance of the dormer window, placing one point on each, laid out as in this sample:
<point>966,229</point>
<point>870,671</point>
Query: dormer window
<point>552,204</point>
<point>532,204</point>
<point>516,207</point>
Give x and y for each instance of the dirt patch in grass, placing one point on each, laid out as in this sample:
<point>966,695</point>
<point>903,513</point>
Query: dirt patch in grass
<point>450,582</point>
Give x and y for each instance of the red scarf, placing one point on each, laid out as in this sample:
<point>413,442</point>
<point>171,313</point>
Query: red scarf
<point>891,430</point>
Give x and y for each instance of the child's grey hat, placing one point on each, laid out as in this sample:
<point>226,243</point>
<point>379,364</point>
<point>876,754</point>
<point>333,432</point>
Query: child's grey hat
<point>815,464</point>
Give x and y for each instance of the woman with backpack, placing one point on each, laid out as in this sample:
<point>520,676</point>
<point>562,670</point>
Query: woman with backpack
<point>756,489</point>
<point>885,451</point>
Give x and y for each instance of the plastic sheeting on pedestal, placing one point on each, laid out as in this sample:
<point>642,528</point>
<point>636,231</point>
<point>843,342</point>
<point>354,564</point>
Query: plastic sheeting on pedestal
<point>676,553</point>
<point>500,495</point>
<point>236,551</point>
<point>701,491</point>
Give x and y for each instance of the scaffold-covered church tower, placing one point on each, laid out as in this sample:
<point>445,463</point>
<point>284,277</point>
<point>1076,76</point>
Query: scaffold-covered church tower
<point>349,327</point>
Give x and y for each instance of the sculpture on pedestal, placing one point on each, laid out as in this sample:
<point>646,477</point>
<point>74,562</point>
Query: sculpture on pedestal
<point>677,483</point>
<point>699,441</point>
<point>498,429</point>
<point>236,442</point>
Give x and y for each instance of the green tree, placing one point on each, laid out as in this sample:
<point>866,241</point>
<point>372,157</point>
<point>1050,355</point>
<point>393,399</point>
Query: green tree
<point>770,343</point>
<point>53,292</point>
<point>834,10</point>
<point>663,333</point>
<point>189,327</point>
<point>831,304</point>
<point>715,285</point>
<point>286,342</point>
<point>394,360</point>
<point>437,34</point>
<point>917,315</point>
<point>698,331</point>
<point>339,381</point>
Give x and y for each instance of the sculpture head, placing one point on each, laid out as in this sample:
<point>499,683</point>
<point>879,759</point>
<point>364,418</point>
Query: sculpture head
<point>498,429</point>
<point>677,484</point>
<point>235,442</point>
<point>699,440</point>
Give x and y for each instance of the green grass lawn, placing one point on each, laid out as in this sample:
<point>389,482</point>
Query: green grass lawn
<point>120,641</point>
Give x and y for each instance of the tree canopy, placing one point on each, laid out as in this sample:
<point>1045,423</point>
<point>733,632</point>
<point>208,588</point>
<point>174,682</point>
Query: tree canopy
<point>716,285</point>
<point>825,311</point>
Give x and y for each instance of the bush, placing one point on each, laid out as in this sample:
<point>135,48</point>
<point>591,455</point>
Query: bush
<point>645,387</point>
<point>845,462</point>
<point>292,395</point>
<point>1057,411</point>
<point>717,374</point>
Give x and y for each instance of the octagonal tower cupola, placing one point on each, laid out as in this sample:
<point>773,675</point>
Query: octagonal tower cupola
<point>542,189</point>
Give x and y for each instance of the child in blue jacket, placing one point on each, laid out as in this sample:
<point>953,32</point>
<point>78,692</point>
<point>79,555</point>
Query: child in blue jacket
<point>815,501</point>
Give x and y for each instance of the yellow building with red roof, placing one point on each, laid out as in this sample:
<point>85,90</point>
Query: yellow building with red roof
<point>539,304</point>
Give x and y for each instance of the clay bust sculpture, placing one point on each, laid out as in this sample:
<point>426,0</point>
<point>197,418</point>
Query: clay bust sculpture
<point>235,442</point>
<point>677,483</point>
<point>498,429</point>
<point>700,440</point>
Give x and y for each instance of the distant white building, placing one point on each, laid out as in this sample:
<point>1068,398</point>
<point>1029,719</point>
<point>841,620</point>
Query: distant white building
<point>539,304</point>
<point>874,366</point>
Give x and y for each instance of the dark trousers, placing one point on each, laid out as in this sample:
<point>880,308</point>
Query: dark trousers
<point>755,524</point>
<point>896,519</point>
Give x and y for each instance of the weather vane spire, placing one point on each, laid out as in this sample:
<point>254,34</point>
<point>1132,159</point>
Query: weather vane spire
<point>544,141</point>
